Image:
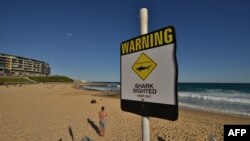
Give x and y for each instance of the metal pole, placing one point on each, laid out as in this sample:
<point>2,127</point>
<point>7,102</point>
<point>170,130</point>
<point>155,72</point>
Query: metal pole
<point>144,30</point>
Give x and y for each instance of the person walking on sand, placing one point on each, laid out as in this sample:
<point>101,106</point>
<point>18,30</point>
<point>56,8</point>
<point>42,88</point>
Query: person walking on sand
<point>102,118</point>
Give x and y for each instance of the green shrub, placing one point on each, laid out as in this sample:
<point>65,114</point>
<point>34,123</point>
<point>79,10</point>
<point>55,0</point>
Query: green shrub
<point>51,79</point>
<point>9,80</point>
<point>39,79</point>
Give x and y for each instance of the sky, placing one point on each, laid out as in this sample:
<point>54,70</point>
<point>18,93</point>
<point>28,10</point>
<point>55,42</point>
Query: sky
<point>81,38</point>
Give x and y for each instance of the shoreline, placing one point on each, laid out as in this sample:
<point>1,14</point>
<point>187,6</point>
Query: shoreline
<point>116,95</point>
<point>47,111</point>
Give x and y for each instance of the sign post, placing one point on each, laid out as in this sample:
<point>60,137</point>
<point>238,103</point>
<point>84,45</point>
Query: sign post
<point>149,74</point>
<point>144,30</point>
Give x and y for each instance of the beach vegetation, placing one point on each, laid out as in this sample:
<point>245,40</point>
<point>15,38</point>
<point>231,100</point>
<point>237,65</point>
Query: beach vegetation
<point>13,80</point>
<point>34,79</point>
<point>55,78</point>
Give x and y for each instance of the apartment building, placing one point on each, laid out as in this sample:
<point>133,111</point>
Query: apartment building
<point>11,65</point>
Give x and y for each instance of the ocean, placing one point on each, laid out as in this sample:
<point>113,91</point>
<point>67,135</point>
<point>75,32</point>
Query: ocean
<point>227,98</point>
<point>102,86</point>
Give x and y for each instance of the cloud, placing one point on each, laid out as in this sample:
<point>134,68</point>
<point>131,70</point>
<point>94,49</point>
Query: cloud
<point>69,34</point>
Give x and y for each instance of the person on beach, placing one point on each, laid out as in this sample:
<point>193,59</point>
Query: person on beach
<point>102,118</point>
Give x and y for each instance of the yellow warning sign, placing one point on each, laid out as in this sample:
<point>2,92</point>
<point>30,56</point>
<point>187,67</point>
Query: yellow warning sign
<point>144,66</point>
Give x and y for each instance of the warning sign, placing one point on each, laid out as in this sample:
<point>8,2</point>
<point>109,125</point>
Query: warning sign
<point>144,66</point>
<point>149,74</point>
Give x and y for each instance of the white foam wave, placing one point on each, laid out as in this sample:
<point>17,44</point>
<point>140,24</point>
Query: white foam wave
<point>114,85</point>
<point>101,88</point>
<point>231,112</point>
<point>232,98</point>
<point>95,88</point>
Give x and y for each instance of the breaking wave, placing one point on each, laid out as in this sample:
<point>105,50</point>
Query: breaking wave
<point>242,98</point>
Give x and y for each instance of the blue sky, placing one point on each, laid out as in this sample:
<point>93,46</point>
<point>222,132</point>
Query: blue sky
<point>81,38</point>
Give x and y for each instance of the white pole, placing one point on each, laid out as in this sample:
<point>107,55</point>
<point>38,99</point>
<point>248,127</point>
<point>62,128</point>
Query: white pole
<point>144,20</point>
<point>144,30</point>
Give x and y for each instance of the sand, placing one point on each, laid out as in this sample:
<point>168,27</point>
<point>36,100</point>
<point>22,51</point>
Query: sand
<point>51,112</point>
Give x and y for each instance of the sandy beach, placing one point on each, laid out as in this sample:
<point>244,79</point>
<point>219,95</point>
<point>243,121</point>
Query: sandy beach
<point>48,112</point>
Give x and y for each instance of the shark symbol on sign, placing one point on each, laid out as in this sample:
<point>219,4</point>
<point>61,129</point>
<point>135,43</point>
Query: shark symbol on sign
<point>143,68</point>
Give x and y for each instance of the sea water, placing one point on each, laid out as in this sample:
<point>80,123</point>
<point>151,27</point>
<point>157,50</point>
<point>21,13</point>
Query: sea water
<point>230,98</point>
<point>227,98</point>
<point>103,86</point>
